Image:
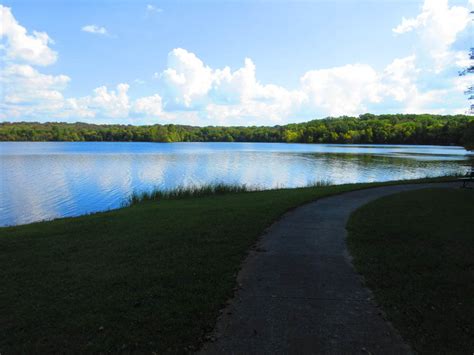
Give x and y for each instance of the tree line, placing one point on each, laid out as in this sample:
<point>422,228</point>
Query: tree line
<point>365,129</point>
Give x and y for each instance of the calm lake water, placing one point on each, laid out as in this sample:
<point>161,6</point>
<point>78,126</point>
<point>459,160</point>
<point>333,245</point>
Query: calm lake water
<point>48,180</point>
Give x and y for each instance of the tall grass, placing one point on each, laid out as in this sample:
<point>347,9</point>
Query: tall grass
<point>221,188</point>
<point>187,192</point>
<point>320,183</point>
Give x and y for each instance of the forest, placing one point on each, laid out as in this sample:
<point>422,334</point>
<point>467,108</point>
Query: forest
<point>365,129</point>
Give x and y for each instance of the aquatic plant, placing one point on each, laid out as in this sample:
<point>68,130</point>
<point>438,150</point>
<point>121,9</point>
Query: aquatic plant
<point>188,191</point>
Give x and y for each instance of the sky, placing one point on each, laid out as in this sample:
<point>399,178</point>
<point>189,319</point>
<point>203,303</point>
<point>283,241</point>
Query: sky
<point>245,62</point>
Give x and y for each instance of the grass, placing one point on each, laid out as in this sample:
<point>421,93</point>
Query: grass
<point>181,192</point>
<point>149,277</point>
<point>189,191</point>
<point>416,252</point>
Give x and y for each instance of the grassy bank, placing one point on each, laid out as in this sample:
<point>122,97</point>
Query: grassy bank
<point>415,250</point>
<point>149,277</point>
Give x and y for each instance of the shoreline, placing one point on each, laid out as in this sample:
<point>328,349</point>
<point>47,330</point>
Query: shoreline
<point>127,204</point>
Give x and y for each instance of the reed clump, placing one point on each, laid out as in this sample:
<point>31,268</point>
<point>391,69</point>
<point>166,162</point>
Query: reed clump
<point>181,192</point>
<point>190,191</point>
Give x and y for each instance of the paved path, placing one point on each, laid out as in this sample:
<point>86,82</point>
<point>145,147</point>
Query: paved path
<point>299,293</point>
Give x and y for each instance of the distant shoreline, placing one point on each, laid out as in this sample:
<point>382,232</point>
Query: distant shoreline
<point>359,145</point>
<point>408,129</point>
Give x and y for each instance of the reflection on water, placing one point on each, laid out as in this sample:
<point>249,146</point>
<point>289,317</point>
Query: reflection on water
<point>48,180</point>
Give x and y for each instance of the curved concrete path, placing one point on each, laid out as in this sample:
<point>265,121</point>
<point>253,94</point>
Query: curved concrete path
<point>299,293</point>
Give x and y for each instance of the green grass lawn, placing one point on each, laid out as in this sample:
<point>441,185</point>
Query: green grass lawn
<point>150,277</point>
<point>416,252</point>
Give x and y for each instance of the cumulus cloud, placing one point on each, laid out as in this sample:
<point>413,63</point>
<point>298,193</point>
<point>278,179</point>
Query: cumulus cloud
<point>19,45</point>
<point>149,105</point>
<point>400,82</point>
<point>26,91</point>
<point>24,84</point>
<point>187,79</point>
<point>222,94</point>
<point>108,103</point>
<point>225,95</point>
<point>440,31</point>
<point>437,26</point>
<point>400,77</point>
<point>342,90</point>
<point>98,30</point>
<point>408,25</point>
<point>438,20</point>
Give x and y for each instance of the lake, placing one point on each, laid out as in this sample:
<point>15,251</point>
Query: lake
<point>46,180</point>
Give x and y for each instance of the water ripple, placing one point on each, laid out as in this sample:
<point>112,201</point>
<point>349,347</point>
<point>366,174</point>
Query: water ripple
<point>49,180</point>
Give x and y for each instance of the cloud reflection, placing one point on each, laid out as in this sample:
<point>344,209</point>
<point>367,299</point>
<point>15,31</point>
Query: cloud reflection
<point>48,180</point>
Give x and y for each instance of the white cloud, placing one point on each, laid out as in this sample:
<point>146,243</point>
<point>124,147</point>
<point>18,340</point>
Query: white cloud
<point>24,90</point>
<point>438,21</point>
<point>342,90</point>
<point>24,84</point>
<point>233,87</point>
<point>109,103</point>
<point>76,109</point>
<point>153,9</point>
<point>30,93</point>
<point>431,84</point>
<point>98,30</point>
<point>222,94</point>
<point>151,106</point>
<point>405,81</point>
<point>408,25</point>
<point>102,104</point>
<point>187,80</point>
<point>18,45</point>
<point>399,78</point>
<point>437,26</point>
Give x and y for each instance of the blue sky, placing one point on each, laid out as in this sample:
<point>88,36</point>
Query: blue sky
<point>230,62</point>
